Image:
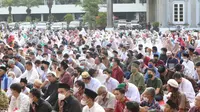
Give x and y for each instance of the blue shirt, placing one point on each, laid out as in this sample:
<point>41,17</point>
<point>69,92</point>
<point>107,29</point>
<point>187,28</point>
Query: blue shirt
<point>157,53</point>
<point>5,82</point>
<point>21,67</point>
<point>157,74</point>
<point>179,54</point>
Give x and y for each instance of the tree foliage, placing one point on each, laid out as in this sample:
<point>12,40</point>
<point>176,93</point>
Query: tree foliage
<point>68,1</point>
<point>91,9</point>
<point>9,4</point>
<point>101,19</point>
<point>68,18</point>
<point>29,4</point>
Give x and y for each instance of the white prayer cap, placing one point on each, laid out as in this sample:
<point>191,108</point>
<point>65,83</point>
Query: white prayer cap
<point>172,83</point>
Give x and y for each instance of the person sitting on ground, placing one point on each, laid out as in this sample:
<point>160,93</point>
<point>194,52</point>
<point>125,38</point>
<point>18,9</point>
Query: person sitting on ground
<point>38,104</point>
<point>148,100</point>
<point>196,107</point>
<point>176,96</point>
<point>132,106</point>
<point>156,83</point>
<point>170,107</point>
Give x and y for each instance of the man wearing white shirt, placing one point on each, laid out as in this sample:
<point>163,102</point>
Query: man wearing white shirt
<point>106,99</point>
<point>31,73</point>
<point>89,58</point>
<point>110,83</point>
<point>91,106</point>
<point>77,74</point>
<point>132,91</point>
<point>13,79</point>
<point>14,68</point>
<point>19,101</point>
<point>99,64</point>
<point>90,83</point>
<point>39,55</point>
<point>185,86</point>
<point>189,66</point>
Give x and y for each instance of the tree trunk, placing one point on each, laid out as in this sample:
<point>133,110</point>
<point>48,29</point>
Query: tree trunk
<point>50,3</point>
<point>28,11</point>
<point>10,10</point>
<point>49,11</point>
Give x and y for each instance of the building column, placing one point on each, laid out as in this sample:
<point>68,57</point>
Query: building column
<point>109,13</point>
<point>42,17</point>
<point>193,13</point>
<point>138,1</point>
<point>186,12</point>
<point>199,13</point>
<point>147,13</point>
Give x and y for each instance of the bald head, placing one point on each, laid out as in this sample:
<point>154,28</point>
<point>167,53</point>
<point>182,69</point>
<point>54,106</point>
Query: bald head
<point>102,89</point>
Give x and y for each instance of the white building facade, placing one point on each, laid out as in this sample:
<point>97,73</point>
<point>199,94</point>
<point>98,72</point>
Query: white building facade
<point>129,11</point>
<point>170,13</point>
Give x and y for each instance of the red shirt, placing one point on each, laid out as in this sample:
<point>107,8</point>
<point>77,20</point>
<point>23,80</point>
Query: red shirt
<point>67,79</point>
<point>146,60</point>
<point>159,63</point>
<point>120,106</point>
<point>118,74</point>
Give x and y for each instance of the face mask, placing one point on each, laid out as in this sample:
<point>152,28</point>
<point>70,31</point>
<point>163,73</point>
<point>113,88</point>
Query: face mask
<point>150,65</point>
<point>145,99</point>
<point>185,59</point>
<point>61,97</point>
<point>11,78</point>
<point>128,55</point>
<point>82,67</point>
<point>75,89</point>
<point>150,76</point>
<point>111,64</point>
<point>83,102</point>
<point>42,67</point>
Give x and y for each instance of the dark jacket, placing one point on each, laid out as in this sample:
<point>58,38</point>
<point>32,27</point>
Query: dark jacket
<point>163,57</point>
<point>41,106</point>
<point>71,104</point>
<point>52,93</point>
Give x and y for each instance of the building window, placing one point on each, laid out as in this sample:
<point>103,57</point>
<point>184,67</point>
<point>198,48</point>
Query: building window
<point>178,13</point>
<point>143,1</point>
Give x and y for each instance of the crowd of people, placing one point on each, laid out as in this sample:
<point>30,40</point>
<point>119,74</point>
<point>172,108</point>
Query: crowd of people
<point>99,71</point>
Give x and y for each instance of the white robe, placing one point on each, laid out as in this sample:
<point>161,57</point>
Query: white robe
<point>95,108</point>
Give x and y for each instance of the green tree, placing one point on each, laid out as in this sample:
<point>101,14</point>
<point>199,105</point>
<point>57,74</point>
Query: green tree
<point>29,4</point>
<point>91,9</point>
<point>9,4</point>
<point>101,19</point>
<point>50,4</point>
<point>68,18</point>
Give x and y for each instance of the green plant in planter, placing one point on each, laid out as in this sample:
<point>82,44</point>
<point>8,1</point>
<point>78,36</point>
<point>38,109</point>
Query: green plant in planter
<point>51,18</point>
<point>156,24</point>
<point>28,19</point>
<point>10,19</point>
